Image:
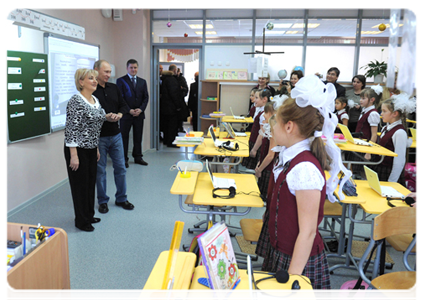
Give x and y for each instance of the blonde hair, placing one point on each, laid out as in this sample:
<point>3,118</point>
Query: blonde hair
<point>390,104</point>
<point>81,74</point>
<point>308,120</point>
<point>269,108</point>
<point>369,94</point>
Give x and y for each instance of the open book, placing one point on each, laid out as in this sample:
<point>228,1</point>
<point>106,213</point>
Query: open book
<point>218,257</point>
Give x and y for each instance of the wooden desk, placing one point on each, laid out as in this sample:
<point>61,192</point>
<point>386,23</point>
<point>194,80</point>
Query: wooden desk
<point>46,267</point>
<point>231,119</point>
<point>270,284</point>
<point>185,263</point>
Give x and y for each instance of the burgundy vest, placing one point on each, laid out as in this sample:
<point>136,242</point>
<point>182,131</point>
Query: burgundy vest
<point>364,126</point>
<point>256,128</point>
<point>386,141</point>
<point>252,111</point>
<point>283,217</point>
<point>339,117</point>
<point>264,150</point>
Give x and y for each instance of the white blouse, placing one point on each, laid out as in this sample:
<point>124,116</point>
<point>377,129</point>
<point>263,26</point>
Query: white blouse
<point>345,116</point>
<point>374,117</point>
<point>303,176</point>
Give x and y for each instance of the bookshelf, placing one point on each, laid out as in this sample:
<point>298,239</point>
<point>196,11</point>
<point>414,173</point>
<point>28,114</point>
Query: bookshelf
<point>209,88</point>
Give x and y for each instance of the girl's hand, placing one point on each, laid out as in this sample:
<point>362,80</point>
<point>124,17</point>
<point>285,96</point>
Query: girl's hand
<point>368,156</point>
<point>258,173</point>
<point>253,153</point>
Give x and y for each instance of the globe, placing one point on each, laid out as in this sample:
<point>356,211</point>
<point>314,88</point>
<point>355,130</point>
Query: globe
<point>282,74</point>
<point>270,26</point>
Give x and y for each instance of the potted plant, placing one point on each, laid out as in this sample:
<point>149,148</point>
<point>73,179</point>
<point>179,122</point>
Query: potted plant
<point>376,69</point>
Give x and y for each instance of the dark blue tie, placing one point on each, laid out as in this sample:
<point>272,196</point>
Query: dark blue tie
<point>134,82</point>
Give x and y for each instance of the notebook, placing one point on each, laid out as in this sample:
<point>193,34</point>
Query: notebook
<point>236,117</point>
<point>219,143</point>
<point>384,191</point>
<point>223,183</point>
<point>231,131</point>
<point>347,134</point>
<point>254,294</point>
<point>218,257</point>
<point>413,133</point>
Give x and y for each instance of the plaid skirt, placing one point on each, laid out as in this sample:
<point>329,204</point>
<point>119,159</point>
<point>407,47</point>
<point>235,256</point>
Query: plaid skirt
<point>263,182</point>
<point>251,162</point>
<point>316,269</point>
<point>383,173</point>
<point>263,243</point>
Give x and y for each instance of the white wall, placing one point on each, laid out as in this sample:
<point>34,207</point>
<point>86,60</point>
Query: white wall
<point>35,165</point>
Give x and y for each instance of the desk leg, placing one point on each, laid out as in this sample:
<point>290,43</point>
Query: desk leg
<point>341,241</point>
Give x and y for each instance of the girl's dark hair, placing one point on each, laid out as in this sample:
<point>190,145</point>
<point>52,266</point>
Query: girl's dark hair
<point>308,120</point>
<point>344,100</point>
<point>299,74</point>
<point>266,93</point>
<point>370,93</point>
<point>362,79</point>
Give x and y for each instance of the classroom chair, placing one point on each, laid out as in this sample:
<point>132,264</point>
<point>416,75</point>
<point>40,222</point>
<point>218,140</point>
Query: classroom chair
<point>332,212</point>
<point>251,229</point>
<point>395,221</point>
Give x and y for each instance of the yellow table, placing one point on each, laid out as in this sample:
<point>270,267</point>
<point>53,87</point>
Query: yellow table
<point>372,203</point>
<point>196,134</point>
<point>185,264</point>
<point>200,200</point>
<point>216,132</point>
<point>375,150</point>
<point>270,284</point>
<point>231,119</point>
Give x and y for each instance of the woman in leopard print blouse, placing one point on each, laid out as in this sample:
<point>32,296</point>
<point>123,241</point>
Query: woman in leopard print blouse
<point>84,119</point>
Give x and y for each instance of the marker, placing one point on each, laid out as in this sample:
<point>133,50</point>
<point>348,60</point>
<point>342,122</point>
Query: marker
<point>180,170</point>
<point>185,170</point>
<point>236,283</point>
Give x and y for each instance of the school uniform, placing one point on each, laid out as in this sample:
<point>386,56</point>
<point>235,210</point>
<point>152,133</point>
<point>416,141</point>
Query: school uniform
<point>369,117</point>
<point>251,114</point>
<point>393,137</point>
<point>251,162</point>
<point>298,169</point>
<point>341,114</point>
<point>263,181</point>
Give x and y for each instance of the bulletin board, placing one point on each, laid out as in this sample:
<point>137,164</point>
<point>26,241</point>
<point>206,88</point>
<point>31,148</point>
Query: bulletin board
<point>28,112</point>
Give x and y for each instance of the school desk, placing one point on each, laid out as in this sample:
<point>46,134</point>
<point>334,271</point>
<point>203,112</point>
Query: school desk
<point>198,189</point>
<point>225,135</point>
<point>231,119</point>
<point>207,148</point>
<point>196,134</point>
<point>373,204</point>
<point>360,150</point>
<point>270,284</point>
<point>185,264</point>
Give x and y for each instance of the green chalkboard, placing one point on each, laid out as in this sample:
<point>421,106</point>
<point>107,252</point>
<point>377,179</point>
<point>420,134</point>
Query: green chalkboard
<point>28,105</point>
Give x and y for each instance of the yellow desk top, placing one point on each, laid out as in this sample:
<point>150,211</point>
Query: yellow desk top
<point>376,204</point>
<point>209,149</point>
<point>270,284</point>
<point>196,134</point>
<point>224,135</point>
<point>231,119</point>
<point>184,268</point>
<point>244,183</point>
<point>184,186</point>
<point>375,149</point>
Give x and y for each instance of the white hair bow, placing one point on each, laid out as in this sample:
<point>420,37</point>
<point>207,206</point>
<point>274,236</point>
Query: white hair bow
<point>310,90</point>
<point>404,103</point>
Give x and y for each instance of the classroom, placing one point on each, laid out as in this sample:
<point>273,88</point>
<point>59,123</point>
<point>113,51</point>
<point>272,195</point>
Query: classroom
<point>227,47</point>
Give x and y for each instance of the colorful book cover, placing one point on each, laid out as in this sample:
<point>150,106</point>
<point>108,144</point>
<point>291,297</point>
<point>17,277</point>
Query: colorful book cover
<point>218,257</point>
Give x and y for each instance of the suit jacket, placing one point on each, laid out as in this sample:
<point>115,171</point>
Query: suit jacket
<point>134,97</point>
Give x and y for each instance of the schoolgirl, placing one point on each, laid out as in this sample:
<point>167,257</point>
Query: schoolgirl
<point>299,187</point>
<point>261,98</point>
<point>341,106</point>
<point>394,137</point>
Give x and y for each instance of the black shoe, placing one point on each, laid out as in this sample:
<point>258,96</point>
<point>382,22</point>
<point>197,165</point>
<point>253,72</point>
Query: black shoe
<point>95,220</point>
<point>87,227</point>
<point>103,208</point>
<point>125,205</point>
<point>140,161</point>
<point>126,164</point>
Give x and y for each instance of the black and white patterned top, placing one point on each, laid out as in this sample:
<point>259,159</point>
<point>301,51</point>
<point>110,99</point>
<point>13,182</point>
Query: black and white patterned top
<point>83,122</point>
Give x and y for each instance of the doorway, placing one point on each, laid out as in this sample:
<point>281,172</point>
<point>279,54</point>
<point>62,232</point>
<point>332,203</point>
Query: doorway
<point>189,61</point>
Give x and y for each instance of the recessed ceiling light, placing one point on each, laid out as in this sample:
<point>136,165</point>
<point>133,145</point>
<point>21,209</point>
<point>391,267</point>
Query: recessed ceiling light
<point>371,32</point>
<point>273,32</point>
<point>309,25</point>
<point>200,26</point>
<point>207,32</point>
<point>282,25</point>
<point>291,32</point>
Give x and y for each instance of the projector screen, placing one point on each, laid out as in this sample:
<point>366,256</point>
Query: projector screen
<point>64,58</point>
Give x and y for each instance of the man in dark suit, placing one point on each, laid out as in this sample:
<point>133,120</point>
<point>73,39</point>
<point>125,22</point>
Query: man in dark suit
<point>332,77</point>
<point>135,94</point>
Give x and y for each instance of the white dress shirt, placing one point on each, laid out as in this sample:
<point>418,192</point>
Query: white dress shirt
<point>374,117</point>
